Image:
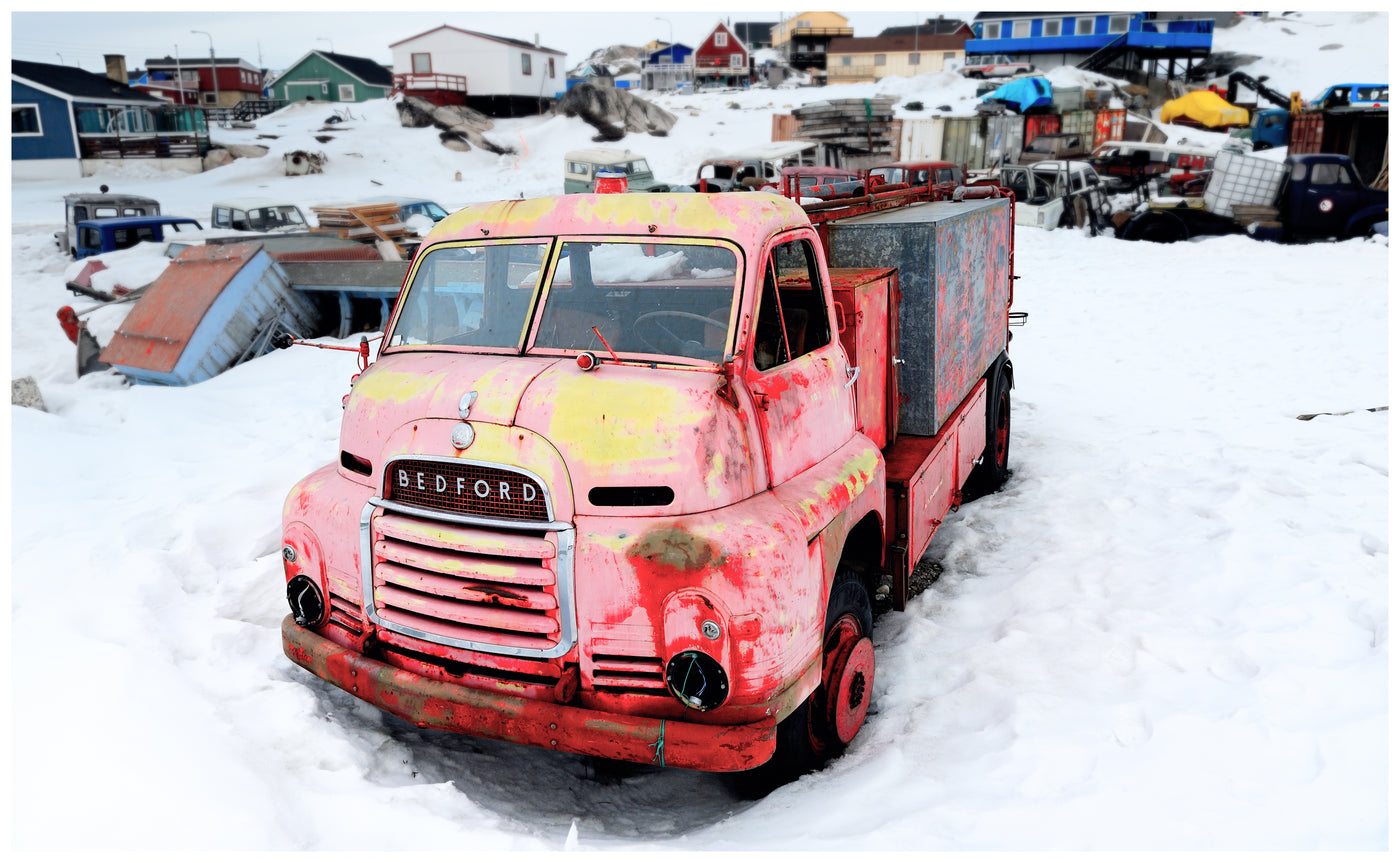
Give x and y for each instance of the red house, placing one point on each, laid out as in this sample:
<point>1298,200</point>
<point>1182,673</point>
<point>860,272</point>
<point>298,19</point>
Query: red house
<point>238,80</point>
<point>722,60</point>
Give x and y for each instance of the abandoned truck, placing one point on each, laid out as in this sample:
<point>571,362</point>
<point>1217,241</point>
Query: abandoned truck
<point>1315,196</point>
<point>628,471</point>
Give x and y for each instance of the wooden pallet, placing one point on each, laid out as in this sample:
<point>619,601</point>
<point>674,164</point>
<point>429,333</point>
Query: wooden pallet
<point>363,222</point>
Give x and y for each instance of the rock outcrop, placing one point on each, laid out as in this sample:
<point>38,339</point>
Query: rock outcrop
<point>461,127</point>
<point>614,112</point>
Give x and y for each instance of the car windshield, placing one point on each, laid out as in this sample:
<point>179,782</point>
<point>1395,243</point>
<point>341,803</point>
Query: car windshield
<point>635,300</point>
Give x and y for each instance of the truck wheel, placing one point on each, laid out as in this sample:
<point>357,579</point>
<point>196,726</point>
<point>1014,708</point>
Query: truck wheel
<point>1156,227</point>
<point>991,472</point>
<point>821,727</point>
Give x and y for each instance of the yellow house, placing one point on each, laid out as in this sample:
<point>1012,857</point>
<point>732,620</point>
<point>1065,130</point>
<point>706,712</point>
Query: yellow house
<point>803,39</point>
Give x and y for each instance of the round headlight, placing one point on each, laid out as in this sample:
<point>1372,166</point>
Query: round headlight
<point>308,605</point>
<point>697,680</point>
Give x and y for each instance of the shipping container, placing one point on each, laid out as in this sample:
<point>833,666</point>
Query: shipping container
<point>1004,141</point>
<point>1110,124</point>
<point>785,127</point>
<point>1079,122</point>
<point>1067,98</point>
<point>965,142</point>
<point>954,288</point>
<point>921,138</point>
<point>1041,124</point>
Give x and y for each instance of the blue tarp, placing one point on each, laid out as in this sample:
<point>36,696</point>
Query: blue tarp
<point>1022,93</point>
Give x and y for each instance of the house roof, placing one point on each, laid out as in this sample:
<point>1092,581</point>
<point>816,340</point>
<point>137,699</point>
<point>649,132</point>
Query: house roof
<point>931,27</point>
<point>742,46</point>
<point>72,81</point>
<point>366,70</point>
<point>868,44</point>
<point>994,16</point>
<point>168,62</point>
<point>519,43</point>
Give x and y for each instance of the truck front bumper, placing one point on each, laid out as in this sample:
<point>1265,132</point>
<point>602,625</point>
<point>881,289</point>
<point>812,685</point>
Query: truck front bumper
<point>430,703</point>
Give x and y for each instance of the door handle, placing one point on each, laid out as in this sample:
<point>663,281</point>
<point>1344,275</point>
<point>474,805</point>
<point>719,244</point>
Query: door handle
<point>852,372</point>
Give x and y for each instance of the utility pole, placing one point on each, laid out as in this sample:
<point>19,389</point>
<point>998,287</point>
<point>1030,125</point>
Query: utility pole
<point>213,66</point>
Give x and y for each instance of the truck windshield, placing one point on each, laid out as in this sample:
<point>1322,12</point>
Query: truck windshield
<point>644,299</point>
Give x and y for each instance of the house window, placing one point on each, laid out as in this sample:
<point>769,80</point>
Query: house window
<point>1083,26</point>
<point>913,59</point>
<point>879,59</point>
<point>991,30</point>
<point>208,98</point>
<point>325,88</point>
<point>422,64</point>
<point>1050,28</point>
<point>1021,29</point>
<point>721,40</point>
<point>525,64</point>
<point>345,92</point>
<point>949,57</point>
<point>24,120</point>
<point>736,61</point>
<point>845,59</point>
<point>551,67</point>
<point>1118,24</point>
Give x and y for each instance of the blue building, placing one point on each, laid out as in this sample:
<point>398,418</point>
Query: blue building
<point>65,122</point>
<point>669,67</point>
<point>1132,45</point>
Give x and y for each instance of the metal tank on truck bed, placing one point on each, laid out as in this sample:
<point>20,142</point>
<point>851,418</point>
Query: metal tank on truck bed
<point>628,470</point>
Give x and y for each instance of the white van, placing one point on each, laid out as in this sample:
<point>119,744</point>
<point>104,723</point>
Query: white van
<point>264,215</point>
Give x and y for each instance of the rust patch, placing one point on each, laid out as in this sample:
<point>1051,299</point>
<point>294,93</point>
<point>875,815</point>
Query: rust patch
<point>674,549</point>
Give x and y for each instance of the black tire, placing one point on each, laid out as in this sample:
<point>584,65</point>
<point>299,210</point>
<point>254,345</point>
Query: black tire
<point>991,472</point>
<point>1156,227</point>
<point>805,739</point>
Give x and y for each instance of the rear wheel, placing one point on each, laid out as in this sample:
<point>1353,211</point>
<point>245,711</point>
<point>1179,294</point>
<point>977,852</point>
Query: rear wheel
<point>823,725</point>
<point>991,472</point>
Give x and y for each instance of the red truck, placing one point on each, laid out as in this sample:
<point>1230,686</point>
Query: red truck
<point>629,472</point>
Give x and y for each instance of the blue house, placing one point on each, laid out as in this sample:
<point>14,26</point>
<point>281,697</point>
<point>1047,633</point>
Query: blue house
<point>1136,45</point>
<point>669,67</point>
<point>65,122</point>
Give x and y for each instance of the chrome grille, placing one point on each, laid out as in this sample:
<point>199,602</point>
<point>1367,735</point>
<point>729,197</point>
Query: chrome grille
<point>463,586</point>
<point>467,488</point>
<point>628,673</point>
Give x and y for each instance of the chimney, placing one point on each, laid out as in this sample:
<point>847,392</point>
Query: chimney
<point>116,67</point>
<point>537,40</point>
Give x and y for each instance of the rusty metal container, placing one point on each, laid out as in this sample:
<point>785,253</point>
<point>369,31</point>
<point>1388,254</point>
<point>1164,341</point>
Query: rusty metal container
<point>1041,124</point>
<point>1305,133</point>
<point>1109,125</point>
<point>1004,142</point>
<point>1078,122</point>
<point>921,138</point>
<point>869,333</point>
<point>213,307</point>
<point>964,141</point>
<point>954,291</point>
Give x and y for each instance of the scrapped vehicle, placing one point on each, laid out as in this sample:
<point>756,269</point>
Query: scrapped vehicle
<point>1056,194</point>
<point>581,169</point>
<point>410,207</point>
<point>265,215</point>
<point>942,176</point>
<point>1059,145</point>
<point>1316,196</point>
<point>994,66</point>
<point>96,236</point>
<point>815,181</point>
<point>80,207</point>
<point>1353,96</point>
<point>754,168</point>
<point>629,474</point>
<point>1123,165</point>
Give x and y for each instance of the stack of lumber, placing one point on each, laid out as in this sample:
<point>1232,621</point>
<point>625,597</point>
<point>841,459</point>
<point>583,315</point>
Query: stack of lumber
<point>364,222</point>
<point>856,125</point>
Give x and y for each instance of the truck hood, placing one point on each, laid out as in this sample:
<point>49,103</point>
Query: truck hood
<point>617,428</point>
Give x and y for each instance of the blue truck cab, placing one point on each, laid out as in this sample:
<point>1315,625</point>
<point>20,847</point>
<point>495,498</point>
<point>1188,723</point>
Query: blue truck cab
<point>96,236</point>
<point>1324,197</point>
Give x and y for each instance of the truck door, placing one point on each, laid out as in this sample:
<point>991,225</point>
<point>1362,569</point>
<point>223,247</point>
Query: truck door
<point>799,376</point>
<point>1330,197</point>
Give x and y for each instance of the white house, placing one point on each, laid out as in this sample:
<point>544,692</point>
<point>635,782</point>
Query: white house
<point>500,76</point>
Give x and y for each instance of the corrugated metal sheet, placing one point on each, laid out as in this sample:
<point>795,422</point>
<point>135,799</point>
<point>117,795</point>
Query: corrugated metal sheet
<point>1078,122</point>
<point>1004,141</point>
<point>206,312</point>
<point>1041,124</point>
<point>964,142</point>
<point>921,138</point>
<point>1109,125</point>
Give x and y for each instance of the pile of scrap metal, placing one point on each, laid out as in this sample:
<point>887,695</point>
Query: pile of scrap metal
<point>225,302</point>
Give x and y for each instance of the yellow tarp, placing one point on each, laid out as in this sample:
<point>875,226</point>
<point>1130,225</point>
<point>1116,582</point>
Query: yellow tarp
<point>1206,108</point>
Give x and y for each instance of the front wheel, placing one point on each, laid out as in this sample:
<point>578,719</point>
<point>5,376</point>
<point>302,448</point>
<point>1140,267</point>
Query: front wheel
<point>823,725</point>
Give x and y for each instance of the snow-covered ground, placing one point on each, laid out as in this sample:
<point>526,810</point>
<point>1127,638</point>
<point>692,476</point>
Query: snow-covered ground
<point>1170,631</point>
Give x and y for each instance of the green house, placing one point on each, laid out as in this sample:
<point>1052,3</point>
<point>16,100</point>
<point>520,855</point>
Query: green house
<point>328,77</point>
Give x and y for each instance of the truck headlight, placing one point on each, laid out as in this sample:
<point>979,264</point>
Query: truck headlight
<point>304,567</point>
<point>307,602</point>
<point>697,680</point>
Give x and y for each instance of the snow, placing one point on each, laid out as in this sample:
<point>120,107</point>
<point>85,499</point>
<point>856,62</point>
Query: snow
<point>1169,632</point>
